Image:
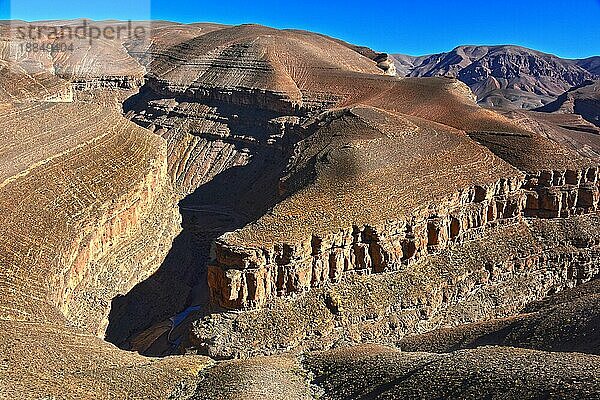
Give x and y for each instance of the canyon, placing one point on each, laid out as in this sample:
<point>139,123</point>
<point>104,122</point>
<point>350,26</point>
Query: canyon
<point>247,212</point>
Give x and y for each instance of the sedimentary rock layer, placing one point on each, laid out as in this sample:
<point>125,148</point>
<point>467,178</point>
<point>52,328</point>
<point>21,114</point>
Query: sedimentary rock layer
<point>83,219</point>
<point>290,268</point>
<point>494,276</point>
<point>92,205</point>
<point>295,258</point>
<point>554,194</point>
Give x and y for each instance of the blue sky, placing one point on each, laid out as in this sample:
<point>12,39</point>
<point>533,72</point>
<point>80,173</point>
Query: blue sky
<point>566,28</point>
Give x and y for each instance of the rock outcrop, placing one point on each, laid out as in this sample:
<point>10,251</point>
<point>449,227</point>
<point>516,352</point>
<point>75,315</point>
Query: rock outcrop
<point>86,213</point>
<point>375,249</point>
<point>291,268</point>
<point>560,194</point>
<point>494,276</point>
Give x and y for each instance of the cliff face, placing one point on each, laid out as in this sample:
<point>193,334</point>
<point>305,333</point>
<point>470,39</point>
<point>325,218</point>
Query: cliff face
<point>106,212</point>
<point>291,268</point>
<point>84,219</point>
<point>494,276</point>
<point>134,232</point>
<point>248,278</point>
<point>560,194</point>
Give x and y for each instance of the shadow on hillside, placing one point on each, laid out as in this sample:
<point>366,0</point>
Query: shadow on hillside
<point>229,201</point>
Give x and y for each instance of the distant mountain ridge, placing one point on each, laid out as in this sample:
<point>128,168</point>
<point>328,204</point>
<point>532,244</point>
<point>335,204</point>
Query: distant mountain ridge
<point>504,76</point>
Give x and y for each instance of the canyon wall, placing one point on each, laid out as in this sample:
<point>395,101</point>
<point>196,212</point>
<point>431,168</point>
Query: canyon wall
<point>70,217</point>
<point>243,278</point>
<point>494,276</point>
<point>84,219</point>
<point>560,194</point>
<point>123,247</point>
<point>108,82</point>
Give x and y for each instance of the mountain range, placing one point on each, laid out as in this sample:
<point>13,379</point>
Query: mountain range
<point>508,77</point>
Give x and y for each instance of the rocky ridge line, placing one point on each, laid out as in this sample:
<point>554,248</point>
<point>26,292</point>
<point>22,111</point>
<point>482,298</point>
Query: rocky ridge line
<point>244,278</point>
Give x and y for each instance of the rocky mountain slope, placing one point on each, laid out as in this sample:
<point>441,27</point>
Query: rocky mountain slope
<point>87,211</point>
<point>504,76</point>
<point>254,205</point>
<point>582,100</point>
<point>536,326</point>
<point>591,64</point>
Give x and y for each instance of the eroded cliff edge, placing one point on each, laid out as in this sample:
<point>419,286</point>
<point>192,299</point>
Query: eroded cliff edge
<point>250,277</point>
<point>491,277</point>
<point>90,218</point>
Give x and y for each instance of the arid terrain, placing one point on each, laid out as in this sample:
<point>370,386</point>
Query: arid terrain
<point>241,212</point>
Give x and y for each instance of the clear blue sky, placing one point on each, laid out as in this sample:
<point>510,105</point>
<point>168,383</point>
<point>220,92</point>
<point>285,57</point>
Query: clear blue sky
<point>568,28</point>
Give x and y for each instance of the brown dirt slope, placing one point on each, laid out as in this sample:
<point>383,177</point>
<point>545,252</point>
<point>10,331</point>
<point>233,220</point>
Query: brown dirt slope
<point>376,372</point>
<point>567,321</point>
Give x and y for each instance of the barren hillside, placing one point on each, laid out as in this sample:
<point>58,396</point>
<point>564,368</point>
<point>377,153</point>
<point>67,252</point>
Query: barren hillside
<point>245,212</point>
